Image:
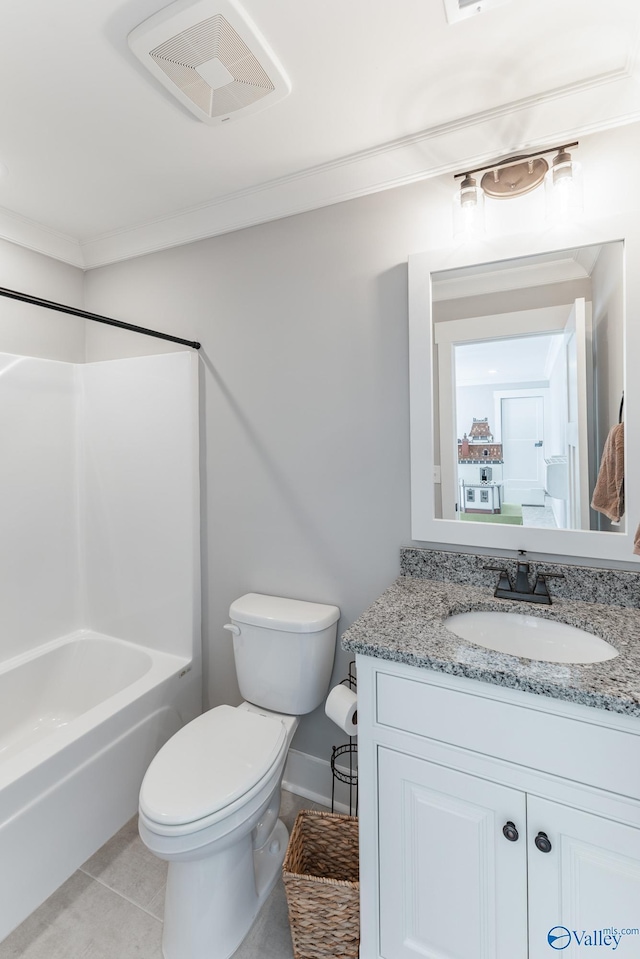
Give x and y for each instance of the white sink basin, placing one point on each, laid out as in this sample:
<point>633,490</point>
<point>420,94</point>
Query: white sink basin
<point>530,636</point>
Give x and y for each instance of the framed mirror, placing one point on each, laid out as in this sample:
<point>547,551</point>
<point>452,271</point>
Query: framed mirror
<point>520,399</point>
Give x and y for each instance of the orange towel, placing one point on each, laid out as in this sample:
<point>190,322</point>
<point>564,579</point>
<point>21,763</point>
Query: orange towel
<point>608,496</point>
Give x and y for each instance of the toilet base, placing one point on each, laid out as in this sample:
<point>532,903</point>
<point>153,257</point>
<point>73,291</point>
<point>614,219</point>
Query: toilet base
<point>269,859</point>
<point>211,903</point>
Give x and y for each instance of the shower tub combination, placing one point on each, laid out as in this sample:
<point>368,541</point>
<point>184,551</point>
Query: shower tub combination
<point>80,720</point>
<point>100,658</point>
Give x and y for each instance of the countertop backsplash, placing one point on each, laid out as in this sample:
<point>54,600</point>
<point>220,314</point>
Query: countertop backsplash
<point>586,583</point>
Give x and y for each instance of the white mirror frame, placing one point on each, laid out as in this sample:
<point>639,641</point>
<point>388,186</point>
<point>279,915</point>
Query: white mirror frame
<point>576,543</point>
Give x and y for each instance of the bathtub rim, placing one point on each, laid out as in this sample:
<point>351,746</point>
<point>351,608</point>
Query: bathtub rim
<point>162,667</point>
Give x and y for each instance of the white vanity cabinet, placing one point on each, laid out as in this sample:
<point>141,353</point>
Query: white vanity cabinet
<point>450,884</point>
<point>495,824</point>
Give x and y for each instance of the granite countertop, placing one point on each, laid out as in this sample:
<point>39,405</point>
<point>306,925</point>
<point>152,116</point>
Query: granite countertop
<point>406,625</point>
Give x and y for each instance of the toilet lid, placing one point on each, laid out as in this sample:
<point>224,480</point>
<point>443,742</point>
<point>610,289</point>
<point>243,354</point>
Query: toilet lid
<point>209,763</point>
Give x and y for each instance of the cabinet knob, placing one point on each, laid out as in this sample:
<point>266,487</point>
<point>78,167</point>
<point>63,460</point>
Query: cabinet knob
<point>543,842</point>
<point>510,832</point>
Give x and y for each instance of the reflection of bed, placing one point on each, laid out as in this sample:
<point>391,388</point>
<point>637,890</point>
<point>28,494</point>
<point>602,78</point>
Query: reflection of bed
<point>510,514</point>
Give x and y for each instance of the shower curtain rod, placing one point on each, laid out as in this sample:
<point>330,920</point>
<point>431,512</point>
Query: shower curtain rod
<point>73,311</point>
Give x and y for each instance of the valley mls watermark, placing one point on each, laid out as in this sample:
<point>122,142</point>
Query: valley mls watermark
<point>610,937</point>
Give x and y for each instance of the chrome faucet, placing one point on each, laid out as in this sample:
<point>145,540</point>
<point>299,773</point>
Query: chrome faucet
<point>523,590</point>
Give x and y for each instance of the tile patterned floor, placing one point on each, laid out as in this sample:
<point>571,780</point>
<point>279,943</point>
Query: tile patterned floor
<point>539,515</point>
<point>112,908</point>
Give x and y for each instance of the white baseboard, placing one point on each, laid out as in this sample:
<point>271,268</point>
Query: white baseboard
<point>311,778</point>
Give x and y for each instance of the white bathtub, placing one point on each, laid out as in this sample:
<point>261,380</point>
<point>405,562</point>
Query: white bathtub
<point>80,720</point>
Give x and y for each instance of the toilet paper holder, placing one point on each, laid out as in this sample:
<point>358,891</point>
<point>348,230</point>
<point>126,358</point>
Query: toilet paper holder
<point>344,759</point>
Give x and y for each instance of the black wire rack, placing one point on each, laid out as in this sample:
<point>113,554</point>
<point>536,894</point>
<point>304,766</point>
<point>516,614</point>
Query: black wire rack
<point>344,759</point>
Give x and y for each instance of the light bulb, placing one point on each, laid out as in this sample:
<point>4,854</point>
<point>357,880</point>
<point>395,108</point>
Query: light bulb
<point>468,209</point>
<point>563,187</point>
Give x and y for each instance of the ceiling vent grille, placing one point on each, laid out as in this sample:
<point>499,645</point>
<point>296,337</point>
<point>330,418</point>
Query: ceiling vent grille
<point>218,67</point>
<point>457,10</point>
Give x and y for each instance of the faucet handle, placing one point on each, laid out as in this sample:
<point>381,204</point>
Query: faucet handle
<point>540,589</point>
<point>504,582</point>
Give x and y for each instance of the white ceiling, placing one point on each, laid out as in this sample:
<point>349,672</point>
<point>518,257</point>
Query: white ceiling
<point>512,360</point>
<point>102,163</point>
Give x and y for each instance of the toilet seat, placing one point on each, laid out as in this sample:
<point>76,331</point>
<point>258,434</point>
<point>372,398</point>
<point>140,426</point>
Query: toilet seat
<point>210,767</point>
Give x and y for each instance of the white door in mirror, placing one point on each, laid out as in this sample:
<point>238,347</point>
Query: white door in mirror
<point>530,636</point>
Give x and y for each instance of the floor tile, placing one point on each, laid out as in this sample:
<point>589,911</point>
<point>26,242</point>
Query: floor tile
<point>85,920</point>
<point>125,865</point>
<point>113,906</point>
<point>291,804</point>
<point>156,906</point>
<point>270,935</point>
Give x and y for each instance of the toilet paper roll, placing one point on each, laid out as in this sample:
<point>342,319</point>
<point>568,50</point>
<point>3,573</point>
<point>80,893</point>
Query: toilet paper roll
<point>342,708</point>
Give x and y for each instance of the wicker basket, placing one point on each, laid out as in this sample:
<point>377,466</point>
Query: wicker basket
<point>320,873</point>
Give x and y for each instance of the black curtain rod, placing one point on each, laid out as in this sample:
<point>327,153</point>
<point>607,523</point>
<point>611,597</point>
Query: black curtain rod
<point>61,308</point>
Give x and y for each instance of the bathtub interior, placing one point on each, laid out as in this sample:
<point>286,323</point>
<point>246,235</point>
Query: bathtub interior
<point>42,693</point>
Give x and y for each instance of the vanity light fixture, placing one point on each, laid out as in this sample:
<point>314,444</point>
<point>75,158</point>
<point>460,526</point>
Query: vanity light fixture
<point>514,176</point>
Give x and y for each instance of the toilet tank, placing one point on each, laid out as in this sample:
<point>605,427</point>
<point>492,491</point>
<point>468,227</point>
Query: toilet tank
<point>284,650</point>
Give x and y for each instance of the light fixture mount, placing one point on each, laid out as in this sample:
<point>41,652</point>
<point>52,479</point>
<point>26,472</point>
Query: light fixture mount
<point>515,179</point>
<point>515,175</point>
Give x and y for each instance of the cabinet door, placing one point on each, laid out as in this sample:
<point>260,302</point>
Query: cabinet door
<point>451,885</point>
<point>585,891</point>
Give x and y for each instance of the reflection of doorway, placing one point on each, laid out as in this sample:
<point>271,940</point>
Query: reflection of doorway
<point>522,424</point>
<point>482,360</point>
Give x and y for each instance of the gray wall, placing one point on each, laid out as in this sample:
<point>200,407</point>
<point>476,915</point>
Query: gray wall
<point>488,304</point>
<point>30,330</point>
<point>303,324</point>
<point>608,335</point>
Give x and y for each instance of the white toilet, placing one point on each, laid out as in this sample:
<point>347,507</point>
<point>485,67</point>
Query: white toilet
<point>210,799</point>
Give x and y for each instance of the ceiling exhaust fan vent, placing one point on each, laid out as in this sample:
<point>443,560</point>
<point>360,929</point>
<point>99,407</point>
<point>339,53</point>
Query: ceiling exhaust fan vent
<point>457,10</point>
<point>211,58</point>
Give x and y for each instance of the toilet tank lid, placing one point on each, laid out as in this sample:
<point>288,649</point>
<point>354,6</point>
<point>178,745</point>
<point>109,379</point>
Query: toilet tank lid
<point>290,615</point>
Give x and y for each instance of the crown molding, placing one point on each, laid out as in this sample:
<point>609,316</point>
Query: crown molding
<point>516,274</point>
<point>464,283</point>
<point>39,238</point>
<point>564,114</point>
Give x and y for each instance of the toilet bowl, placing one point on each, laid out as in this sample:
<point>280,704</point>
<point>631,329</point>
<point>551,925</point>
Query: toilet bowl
<point>210,799</point>
<point>217,825</point>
